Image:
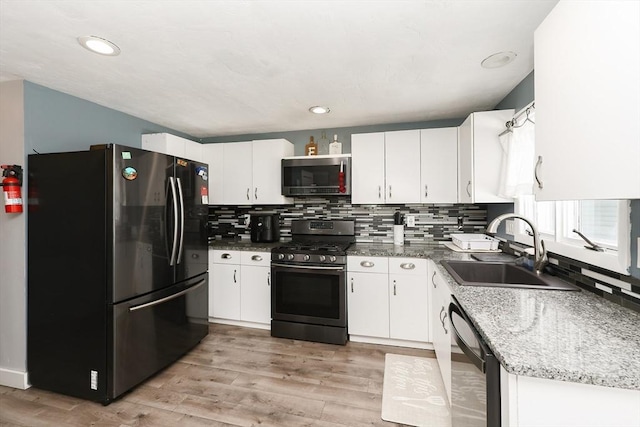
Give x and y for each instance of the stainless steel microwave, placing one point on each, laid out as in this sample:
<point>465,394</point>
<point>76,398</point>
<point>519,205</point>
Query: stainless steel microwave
<point>316,175</point>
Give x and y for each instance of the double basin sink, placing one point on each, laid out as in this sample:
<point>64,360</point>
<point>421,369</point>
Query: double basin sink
<point>505,275</point>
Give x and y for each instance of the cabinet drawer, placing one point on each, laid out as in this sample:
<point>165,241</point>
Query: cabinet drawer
<point>413,266</point>
<point>260,259</point>
<point>368,264</point>
<point>221,256</point>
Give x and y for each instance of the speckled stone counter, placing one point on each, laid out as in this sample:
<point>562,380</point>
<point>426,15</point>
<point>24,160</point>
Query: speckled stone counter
<point>242,245</point>
<point>557,335</point>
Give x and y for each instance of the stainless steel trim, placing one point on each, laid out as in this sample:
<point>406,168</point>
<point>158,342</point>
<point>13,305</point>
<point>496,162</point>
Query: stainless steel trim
<point>309,267</point>
<point>433,276</point>
<point>407,265</point>
<point>367,264</point>
<point>256,258</point>
<point>535,172</point>
<point>174,250</point>
<point>181,246</point>
<point>168,298</point>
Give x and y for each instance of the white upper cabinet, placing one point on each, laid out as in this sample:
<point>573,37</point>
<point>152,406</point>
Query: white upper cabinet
<point>480,156</point>
<point>385,167</point>
<point>587,94</point>
<point>172,145</point>
<point>252,172</point>
<point>212,155</point>
<point>439,165</point>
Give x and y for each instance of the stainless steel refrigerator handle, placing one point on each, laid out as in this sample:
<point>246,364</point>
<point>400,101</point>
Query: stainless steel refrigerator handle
<point>170,297</point>
<point>174,247</point>
<point>181,246</point>
<point>305,267</point>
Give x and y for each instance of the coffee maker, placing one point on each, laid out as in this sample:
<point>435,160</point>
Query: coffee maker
<point>265,228</point>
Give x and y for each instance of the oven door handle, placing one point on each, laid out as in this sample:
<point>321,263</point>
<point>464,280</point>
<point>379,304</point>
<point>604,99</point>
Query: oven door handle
<point>308,267</point>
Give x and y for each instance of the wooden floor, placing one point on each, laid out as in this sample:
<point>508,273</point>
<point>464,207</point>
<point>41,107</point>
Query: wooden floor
<point>234,377</point>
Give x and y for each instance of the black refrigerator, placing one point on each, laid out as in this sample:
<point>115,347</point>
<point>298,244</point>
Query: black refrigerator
<point>117,267</point>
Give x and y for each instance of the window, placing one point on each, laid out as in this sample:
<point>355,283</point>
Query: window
<point>604,222</point>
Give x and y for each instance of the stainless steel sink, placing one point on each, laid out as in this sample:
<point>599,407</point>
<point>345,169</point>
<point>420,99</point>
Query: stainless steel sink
<point>476,273</point>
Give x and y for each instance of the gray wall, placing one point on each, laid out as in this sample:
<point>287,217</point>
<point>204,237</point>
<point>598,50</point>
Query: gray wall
<point>55,121</point>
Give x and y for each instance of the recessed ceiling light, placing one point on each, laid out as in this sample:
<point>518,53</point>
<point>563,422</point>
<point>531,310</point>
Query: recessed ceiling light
<point>99,45</point>
<point>319,110</point>
<point>498,60</point>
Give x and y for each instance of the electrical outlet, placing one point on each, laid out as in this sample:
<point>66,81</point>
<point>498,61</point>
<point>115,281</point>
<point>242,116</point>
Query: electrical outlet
<point>509,226</point>
<point>411,220</point>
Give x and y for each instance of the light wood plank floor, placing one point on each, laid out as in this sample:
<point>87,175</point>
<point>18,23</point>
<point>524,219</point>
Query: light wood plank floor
<point>234,377</point>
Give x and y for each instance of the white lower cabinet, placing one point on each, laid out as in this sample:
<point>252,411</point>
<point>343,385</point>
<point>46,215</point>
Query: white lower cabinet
<point>388,300</point>
<point>224,294</point>
<point>408,299</point>
<point>255,291</point>
<point>368,296</point>
<point>539,402</point>
<point>440,325</point>
<point>240,289</point>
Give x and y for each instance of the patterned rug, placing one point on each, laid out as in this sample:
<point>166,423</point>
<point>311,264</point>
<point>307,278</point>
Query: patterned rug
<point>413,393</point>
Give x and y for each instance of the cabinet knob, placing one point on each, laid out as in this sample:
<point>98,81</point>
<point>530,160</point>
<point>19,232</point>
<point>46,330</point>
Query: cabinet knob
<point>367,264</point>
<point>407,265</point>
<point>225,256</point>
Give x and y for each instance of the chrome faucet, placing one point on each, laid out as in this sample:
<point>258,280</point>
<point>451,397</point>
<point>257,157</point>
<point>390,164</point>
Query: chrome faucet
<point>540,254</point>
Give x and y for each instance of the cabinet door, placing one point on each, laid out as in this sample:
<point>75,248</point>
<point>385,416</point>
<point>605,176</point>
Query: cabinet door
<point>465,161</point>
<point>402,166</point>
<point>588,139</point>
<point>212,155</point>
<point>440,325</point>
<point>255,294</point>
<point>408,307</point>
<point>487,155</point>
<point>267,171</point>
<point>237,173</point>
<point>368,304</point>
<point>224,297</point>
<point>439,165</point>
<point>193,150</point>
<point>367,168</point>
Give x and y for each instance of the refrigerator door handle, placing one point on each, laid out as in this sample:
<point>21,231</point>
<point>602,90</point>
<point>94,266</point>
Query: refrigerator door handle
<point>168,298</point>
<point>174,247</point>
<point>181,245</point>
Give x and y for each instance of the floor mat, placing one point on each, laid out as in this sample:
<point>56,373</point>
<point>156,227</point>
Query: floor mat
<point>413,393</point>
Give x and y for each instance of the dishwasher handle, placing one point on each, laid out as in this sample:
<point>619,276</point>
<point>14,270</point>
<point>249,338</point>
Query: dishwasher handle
<point>479,360</point>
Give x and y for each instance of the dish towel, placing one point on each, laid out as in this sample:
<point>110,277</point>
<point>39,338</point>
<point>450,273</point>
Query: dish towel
<point>518,161</point>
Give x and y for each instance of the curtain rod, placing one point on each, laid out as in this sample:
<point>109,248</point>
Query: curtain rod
<point>511,124</point>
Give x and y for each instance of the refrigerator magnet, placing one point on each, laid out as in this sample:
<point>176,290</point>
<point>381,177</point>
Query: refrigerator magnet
<point>129,173</point>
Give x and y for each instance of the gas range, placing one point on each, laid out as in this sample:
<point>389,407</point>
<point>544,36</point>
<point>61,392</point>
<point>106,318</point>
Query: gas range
<point>316,242</point>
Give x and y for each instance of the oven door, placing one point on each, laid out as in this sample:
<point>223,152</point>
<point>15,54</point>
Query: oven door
<point>309,294</point>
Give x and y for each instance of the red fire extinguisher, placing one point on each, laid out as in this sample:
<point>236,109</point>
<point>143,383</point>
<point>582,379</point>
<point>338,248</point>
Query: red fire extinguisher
<point>12,188</point>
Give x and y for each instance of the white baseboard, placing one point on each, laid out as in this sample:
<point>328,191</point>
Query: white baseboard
<point>391,342</point>
<point>242,323</point>
<point>15,379</point>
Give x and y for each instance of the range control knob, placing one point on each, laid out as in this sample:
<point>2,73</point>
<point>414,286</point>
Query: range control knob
<point>332,258</point>
<point>290,257</point>
<point>280,256</point>
<point>323,258</point>
<point>307,257</point>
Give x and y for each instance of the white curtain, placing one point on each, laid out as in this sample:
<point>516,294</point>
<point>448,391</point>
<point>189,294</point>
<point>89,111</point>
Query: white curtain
<point>518,160</point>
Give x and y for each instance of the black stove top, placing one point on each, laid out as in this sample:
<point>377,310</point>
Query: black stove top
<point>316,241</point>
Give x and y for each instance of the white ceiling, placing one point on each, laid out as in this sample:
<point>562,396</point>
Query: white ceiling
<point>211,68</point>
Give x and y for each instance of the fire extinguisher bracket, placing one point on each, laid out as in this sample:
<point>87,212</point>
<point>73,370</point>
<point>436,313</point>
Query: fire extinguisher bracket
<point>12,170</point>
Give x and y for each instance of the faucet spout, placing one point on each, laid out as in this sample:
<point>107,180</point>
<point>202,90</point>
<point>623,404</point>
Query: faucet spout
<point>540,253</point>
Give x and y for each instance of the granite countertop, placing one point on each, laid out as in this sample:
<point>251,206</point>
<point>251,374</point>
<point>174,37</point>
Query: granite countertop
<point>558,335</point>
<point>242,245</point>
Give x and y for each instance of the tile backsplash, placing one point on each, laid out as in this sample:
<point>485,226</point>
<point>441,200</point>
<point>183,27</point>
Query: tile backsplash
<point>374,223</point>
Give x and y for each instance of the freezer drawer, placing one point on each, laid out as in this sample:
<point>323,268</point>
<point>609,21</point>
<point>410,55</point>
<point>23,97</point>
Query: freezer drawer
<point>152,332</point>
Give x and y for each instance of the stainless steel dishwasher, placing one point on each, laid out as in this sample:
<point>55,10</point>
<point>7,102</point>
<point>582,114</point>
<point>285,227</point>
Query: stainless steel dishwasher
<point>475,375</point>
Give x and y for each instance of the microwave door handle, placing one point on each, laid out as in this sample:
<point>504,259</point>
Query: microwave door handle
<point>474,357</point>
